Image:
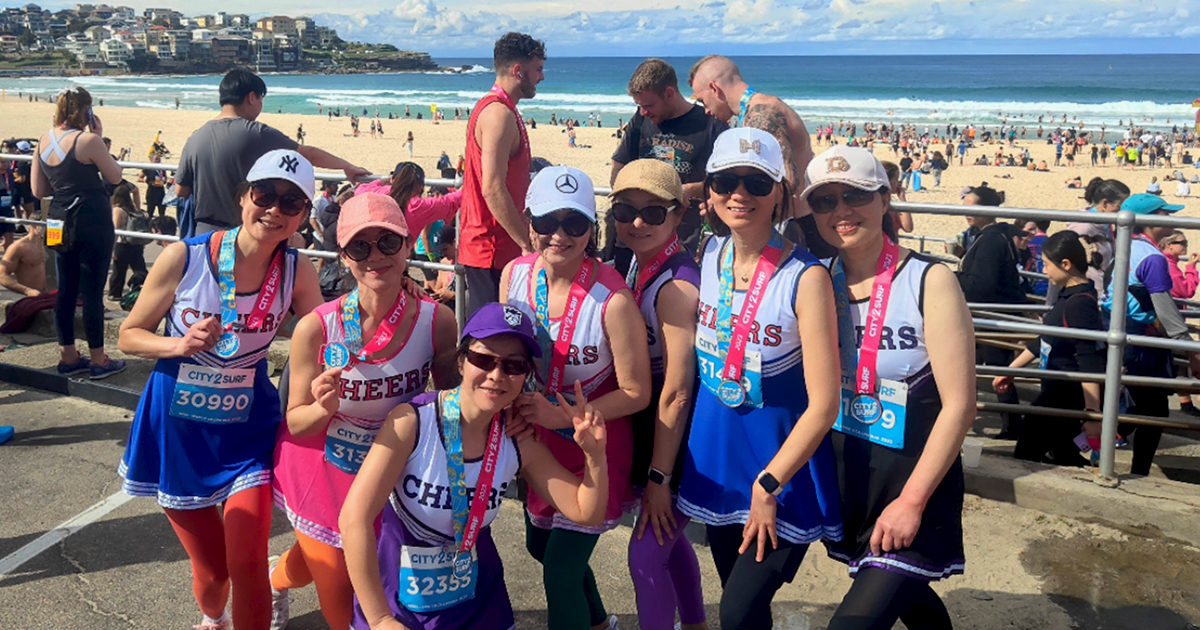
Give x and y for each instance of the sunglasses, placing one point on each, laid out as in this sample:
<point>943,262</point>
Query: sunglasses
<point>824,204</point>
<point>574,224</point>
<point>757,185</point>
<point>264,196</point>
<point>487,363</point>
<point>651,215</point>
<point>359,249</point>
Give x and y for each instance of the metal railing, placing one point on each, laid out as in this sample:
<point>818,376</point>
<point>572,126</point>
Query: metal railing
<point>1116,337</point>
<point>460,283</point>
<point>996,316</point>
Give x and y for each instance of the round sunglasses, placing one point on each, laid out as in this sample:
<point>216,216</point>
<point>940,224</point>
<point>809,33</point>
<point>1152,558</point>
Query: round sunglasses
<point>487,363</point>
<point>651,215</point>
<point>574,224</point>
<point>264,196</point>
<point>359,249</point>
<point>757,184</point>
<point>854,198</point>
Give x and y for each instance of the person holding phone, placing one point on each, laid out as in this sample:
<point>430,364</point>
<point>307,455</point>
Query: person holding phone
<point>81,233</point>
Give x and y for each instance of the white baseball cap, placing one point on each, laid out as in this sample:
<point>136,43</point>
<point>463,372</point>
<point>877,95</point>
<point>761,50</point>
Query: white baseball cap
<point>24,146</point>
<point>561,188</point>
<point>853,166</point>
<point>747,146</point>
<point>287,165</point>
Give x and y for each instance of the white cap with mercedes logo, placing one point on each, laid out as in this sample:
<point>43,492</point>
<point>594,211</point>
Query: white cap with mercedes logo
<point>287,165</point>
<point>561,188</point>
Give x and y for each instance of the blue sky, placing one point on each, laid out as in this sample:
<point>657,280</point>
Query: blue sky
<point>467,28</point>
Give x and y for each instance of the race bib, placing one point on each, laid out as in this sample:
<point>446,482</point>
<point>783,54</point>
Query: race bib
<point>1044,356</point>
<point>347,443</point>
<point>5,201</point>
<point>427,580</point>
<point>216,395</point>
<point>879,419</point>
<point>711,362</point>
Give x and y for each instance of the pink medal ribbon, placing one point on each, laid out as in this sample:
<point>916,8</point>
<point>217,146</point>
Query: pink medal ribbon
<point>580,288</point>
<point>881,289</point>
<point>644,276</point>
<point>732,393</point>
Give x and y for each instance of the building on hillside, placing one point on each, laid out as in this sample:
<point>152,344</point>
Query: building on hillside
<point>204,21</point>
<point>98,33</point>
<point>9,44</point>
<point>116,52</point>
<point>326,36</point>
<point>264,51</point>
<point>306,30</point>
<point>236,31</point>
<point>277,24</point>
<point>231,51</point>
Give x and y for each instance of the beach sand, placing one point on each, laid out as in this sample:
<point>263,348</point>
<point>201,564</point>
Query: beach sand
<point>135,128</point>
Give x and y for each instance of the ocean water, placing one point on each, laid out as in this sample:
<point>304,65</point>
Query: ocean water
<point>1153,90</point>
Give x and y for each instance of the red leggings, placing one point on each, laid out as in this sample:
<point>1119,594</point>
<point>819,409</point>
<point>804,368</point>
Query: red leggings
<point>230,550</point>
<point>310,561</point>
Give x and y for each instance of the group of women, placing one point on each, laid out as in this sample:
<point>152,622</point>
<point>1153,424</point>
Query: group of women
<point>718,410</point>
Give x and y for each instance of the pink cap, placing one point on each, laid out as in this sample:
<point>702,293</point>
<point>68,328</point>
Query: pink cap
<point>367,211</point>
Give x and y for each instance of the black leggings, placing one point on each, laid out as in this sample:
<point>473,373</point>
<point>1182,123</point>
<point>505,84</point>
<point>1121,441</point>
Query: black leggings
<point>82,272</point>
<point>748,586</point>
<point>879,597</point>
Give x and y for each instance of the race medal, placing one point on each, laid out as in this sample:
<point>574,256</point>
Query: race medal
<point>463,564</point>
<point>731,393</point>
<point>227,346</point>
<point>336,355</point>
<point>866,409</point>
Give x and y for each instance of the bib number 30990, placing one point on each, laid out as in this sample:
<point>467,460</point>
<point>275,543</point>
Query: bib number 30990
<point>427,580</point>
<point>219,396</point>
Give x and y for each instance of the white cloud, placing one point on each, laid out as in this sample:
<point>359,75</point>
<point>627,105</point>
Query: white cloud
<point>467,27</point>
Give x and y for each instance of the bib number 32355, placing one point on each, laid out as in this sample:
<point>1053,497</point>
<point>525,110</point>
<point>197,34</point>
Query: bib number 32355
<point>219,396</point>
<point>428,582</point>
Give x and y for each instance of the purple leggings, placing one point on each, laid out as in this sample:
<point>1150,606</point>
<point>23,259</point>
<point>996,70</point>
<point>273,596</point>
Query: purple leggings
<point>666,577</point>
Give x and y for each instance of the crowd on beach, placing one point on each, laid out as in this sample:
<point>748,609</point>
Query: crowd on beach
<point>395,436</point>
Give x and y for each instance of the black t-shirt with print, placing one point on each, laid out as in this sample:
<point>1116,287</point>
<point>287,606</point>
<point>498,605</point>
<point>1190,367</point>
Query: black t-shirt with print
<point>684,142</point>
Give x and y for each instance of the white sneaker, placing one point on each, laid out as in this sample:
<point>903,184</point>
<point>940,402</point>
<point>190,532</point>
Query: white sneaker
<point>208,623</point>
<point>612,623</point>
<point>280,603</point>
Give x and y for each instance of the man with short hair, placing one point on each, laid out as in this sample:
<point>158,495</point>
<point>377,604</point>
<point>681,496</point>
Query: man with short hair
<point>494,229</point>
<point>717,83</point>
<point>218,155</point>
<point>23,268</point>
<point>669,128</point>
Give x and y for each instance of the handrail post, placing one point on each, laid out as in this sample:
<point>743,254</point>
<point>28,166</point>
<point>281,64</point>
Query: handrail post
<point>921,238</point>
<point>1116,349</point>
<point>460,274</point>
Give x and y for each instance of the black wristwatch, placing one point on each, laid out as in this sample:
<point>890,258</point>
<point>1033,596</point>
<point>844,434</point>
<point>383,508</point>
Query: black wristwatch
<point>659,477</point>
<point>769,483</point>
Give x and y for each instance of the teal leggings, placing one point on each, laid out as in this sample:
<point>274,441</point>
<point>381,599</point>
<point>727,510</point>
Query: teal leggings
<point>572,599</point>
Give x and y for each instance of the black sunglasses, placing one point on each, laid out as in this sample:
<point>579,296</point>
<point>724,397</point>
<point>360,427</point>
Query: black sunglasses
<point>574,224</point>
<point>264,196</point>
<point>855,198</point>
<point>359,249</point>
<point>487,363</point>
<point>651,215</point>
<point>757,184</point>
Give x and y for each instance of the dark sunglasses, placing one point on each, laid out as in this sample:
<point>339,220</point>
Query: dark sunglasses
<point>651,215</point>
<point>574,224</point>
<point>757,184</point>
<point>855,198</point>
<point>359,249</point>
<point>264,196</point>
<point>487,363</point>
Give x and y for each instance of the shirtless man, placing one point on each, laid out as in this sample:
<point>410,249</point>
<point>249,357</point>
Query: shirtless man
<point>717,83</point>
<point>23,268</point>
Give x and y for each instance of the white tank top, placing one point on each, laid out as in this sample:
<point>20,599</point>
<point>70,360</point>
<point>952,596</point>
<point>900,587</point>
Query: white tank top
<point>198,297</point>
<point>774,333</point>
<point>902,351</point>
<point>678,267</point>
<point>373,388</point>
<point>589,359</point>
<point>422,496</point>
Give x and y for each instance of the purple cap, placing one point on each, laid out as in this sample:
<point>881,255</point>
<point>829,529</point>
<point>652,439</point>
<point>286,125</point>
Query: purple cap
<point>501,319</point>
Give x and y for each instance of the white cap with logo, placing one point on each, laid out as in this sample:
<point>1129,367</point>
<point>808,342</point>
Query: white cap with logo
<point>747,146</point>
<point>852,166</point>
<point>287,165</point>
<point>561,188</point>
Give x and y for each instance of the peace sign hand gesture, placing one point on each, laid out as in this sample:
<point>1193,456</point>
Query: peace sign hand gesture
<point>590,432</point>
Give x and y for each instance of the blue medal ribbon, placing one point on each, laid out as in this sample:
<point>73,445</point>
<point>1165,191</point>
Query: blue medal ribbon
<point>227,345</point>
<point>745,104</point>
<point>468,515</point>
